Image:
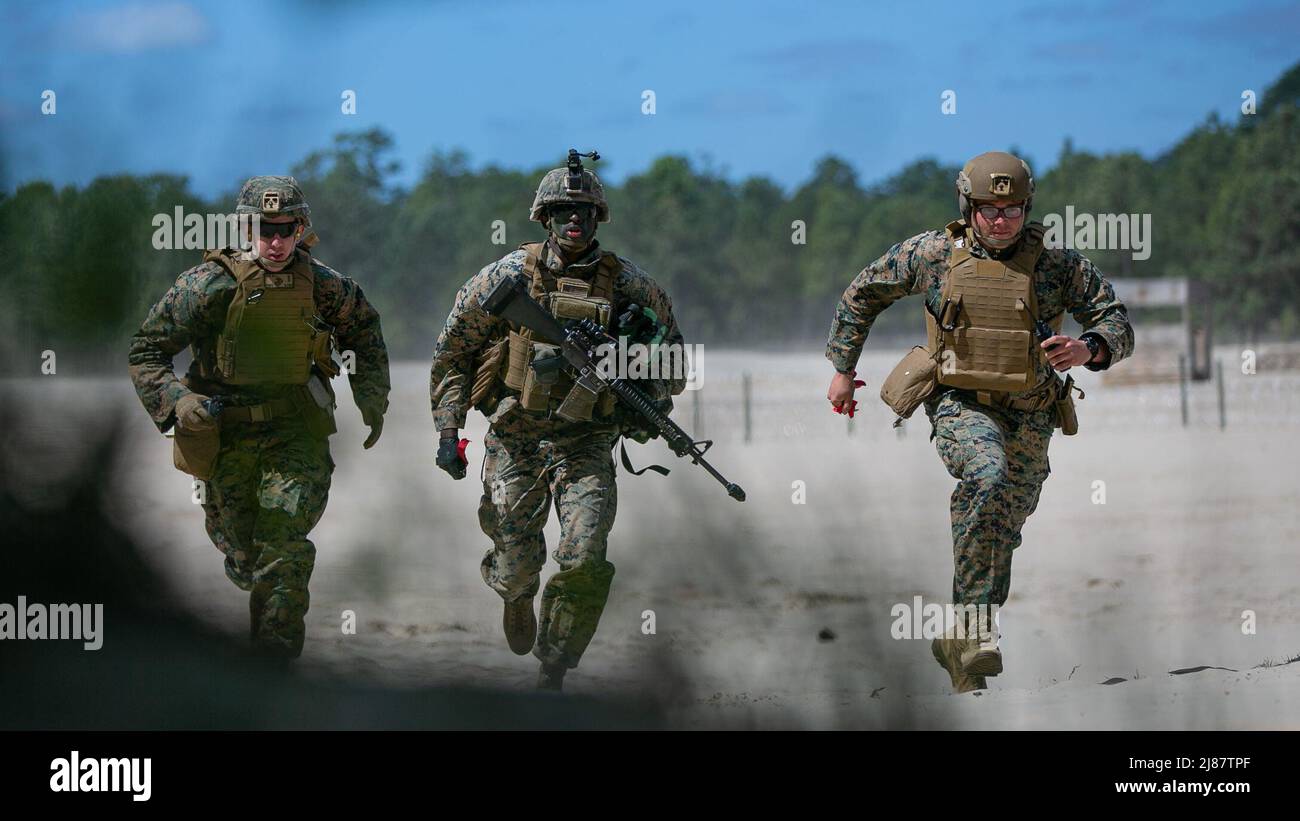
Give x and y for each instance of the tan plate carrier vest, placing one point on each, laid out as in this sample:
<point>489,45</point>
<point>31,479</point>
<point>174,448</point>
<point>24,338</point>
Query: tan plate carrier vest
<point>272,333</point>
<point>511,358</point>
<point>986,320</point>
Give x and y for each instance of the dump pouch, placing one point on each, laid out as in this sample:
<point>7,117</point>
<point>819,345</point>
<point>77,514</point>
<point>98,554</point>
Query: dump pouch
<point>911,381</point>
<point>195,452</point>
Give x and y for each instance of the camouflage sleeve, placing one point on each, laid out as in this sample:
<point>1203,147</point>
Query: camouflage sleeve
<point>910,267</point>
<point>467,328</point>
<point>636,286</point>
<point>191,310</point>
<point>341,303</point>
<point>1091,300</point>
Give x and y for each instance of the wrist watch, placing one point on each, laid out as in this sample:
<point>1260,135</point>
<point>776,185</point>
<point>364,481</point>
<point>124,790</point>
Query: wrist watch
<point>1094,347</point>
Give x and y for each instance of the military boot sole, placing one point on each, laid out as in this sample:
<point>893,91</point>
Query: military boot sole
<point>982,662</point>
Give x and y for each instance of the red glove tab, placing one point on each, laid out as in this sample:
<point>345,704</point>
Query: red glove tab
<point>852,405</point>
<point>460,451</point>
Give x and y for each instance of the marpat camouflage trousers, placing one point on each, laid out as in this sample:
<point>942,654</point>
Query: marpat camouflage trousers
<point>530,463</point>
<point>999,458</point>
<point>268,489</point>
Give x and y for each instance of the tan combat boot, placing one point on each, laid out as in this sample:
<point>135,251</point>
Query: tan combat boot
<point>520,624</point>
<point>981,655</point>
<point>947,651</point>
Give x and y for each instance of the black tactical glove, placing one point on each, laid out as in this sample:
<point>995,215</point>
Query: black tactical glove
<point>450,457</point>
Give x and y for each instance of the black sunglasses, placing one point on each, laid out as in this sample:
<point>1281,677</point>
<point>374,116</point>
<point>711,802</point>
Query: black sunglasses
<point>277,229</point>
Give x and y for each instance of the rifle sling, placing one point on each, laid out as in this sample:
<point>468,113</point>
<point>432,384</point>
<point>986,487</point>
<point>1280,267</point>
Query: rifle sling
<point>627,463</point>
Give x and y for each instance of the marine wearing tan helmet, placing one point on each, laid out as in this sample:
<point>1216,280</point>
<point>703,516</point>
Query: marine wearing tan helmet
<point>994,176</point>
<point>277,196</point>
<point>994,299</point>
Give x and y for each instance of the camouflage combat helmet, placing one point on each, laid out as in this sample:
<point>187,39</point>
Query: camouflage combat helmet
<point>994,175</point>
<point>275,196</point>
<point>557,187</point>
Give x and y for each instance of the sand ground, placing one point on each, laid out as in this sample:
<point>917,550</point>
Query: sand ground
<point>1198,526</point>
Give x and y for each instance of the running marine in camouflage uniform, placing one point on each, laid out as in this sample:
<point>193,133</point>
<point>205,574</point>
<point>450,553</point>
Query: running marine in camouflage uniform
<point>533,456</point>
<point>986,374</point>
<point>253,414</point>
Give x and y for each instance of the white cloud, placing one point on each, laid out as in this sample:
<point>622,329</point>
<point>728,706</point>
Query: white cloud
<point>137,27</point>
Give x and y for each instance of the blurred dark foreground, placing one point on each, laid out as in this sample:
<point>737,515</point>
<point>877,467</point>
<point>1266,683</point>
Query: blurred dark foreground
<point>160,669</point>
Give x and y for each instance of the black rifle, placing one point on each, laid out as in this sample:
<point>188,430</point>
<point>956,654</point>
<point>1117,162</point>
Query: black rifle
<point>581,345</point>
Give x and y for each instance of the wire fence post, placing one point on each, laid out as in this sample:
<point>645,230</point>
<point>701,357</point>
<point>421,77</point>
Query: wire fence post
<point>746,390</point>
<point>1182,385</point>
<point>697,413</point>
<point>1218,373</point>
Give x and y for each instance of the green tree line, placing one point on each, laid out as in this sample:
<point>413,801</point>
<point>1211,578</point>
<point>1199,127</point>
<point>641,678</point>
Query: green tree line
<point>81,270</point>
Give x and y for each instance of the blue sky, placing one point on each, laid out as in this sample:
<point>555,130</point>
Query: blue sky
<point>219,91</point>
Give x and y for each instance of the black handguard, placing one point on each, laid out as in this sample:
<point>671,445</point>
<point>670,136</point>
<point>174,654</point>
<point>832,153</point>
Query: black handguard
<point>580,344</point>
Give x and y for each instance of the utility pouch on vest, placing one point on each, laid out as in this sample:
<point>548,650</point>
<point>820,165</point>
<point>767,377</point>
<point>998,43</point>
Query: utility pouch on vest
<point>1066,418</point>
<point>566,307</point>
<point>542,373</point>
<point>605,405</point>
<point>322,347</point>
<point>521,356</point>
<point>195,452</point>
<point>572,301</point>
<point>578,404</point>
<point>315,402</point>
<point>911,382</point>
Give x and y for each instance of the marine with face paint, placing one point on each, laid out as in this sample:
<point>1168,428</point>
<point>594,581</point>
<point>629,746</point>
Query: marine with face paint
<point>535,456</point>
